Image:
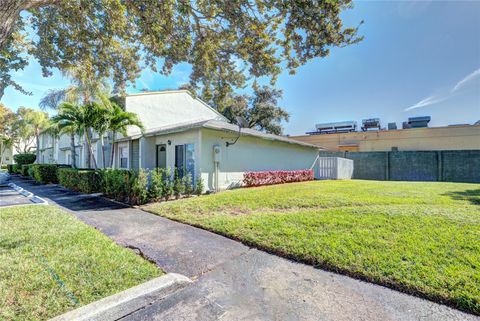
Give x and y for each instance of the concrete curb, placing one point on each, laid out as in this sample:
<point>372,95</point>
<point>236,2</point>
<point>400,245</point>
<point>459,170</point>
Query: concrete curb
<point>36,200</point>
<point>124,303</point>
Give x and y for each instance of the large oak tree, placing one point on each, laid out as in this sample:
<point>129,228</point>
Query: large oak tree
<point>226,42</point>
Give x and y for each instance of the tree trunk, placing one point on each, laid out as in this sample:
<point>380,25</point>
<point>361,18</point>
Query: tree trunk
<point>72,147</point>
<point>112,152</point>
<point>10,13</point>
<point>90,149</point>
<point>37,152</point>
<point>102,143</point>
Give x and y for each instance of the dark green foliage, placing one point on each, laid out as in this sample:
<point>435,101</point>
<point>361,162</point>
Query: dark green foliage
<point>3,166</point>
<point>178,186</point>
<point>12,168</point>
<point>157,185</point>
<point>25,158</point>
<point>139,192</point>
<point>188,184</point>
<point>24,169</point>
<point>199,185</point>
<point>45,173</point>
<point>117,183</point>
<point>85,181</point>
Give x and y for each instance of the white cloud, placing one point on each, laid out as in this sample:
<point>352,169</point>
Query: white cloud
<point>426,102</point>
<point>434,99</point>
<point>467,79</point>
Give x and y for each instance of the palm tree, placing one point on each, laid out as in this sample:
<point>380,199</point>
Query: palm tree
<point>85,88</point>
<point>119,122</point>
<point>70,120</point>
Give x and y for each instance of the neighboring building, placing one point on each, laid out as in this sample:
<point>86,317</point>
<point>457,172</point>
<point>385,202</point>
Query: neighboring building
<point>9,152</point>
<point>7,155</point>
<point>458,137</point>
<point>182,131</point>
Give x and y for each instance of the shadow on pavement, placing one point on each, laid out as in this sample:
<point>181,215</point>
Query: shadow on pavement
<point>73,201</point>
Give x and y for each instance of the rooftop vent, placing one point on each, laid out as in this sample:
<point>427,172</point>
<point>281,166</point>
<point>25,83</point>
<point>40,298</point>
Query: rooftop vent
<point>392,126</point>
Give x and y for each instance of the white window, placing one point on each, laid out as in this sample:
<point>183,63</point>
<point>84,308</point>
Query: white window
<point>123,155</point>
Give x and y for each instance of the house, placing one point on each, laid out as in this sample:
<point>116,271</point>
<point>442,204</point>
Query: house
<point>184,132</point>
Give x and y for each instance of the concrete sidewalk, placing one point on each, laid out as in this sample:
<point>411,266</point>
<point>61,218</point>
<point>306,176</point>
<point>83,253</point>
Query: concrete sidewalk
<point>234,282</point>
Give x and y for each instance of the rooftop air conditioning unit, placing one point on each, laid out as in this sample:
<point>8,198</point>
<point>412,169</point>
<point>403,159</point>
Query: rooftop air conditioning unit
<point>371,123</point>
<point>335,127</point>
<point>419,122</point>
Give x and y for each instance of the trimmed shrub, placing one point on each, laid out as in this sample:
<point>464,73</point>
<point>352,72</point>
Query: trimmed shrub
<point>117,183</point>
<point>178,185</point>
<point>188,184</point>
<point>85,181</point>
<point>45,173</point>
<point>24,158</point>
<point>12,168</point>
<point>139,191</point>
<point>155,192</point>
<point>199,185</point>
<point>3,166</point>
<point>276,177</point>
<point>24,169</point>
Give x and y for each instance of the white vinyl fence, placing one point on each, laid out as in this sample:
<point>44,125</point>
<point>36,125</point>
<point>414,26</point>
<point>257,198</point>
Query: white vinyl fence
<point>335,168</point>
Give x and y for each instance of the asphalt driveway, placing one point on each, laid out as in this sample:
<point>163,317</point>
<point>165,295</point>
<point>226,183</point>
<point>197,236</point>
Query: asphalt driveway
<point>233,281</point>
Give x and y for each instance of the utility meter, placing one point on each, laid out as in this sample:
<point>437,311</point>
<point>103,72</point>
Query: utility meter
<point>216,153</point>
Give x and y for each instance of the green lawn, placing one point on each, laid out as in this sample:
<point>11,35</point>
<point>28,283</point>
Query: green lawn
<point>50,263</point>
<point>422,238</point>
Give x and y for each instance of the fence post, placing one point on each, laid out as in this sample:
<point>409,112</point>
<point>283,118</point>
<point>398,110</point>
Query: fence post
<point>439,166</point>
<point>387,166</point>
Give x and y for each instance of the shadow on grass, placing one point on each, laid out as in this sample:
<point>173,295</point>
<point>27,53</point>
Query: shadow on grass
<point>471,195</point>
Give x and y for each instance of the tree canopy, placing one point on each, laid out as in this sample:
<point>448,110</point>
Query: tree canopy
<point>226,42</point>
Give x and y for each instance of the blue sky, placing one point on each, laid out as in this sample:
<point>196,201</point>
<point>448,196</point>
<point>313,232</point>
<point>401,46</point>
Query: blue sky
<point>418,58</point>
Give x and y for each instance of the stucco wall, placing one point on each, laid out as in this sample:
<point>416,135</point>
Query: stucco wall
<point>413,139</point>
<point>249,154</point>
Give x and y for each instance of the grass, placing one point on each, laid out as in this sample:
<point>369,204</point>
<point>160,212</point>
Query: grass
<point>421,238</point>
<point>50,263</point>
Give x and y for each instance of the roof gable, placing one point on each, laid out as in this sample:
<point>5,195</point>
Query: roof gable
<point>168,108</point>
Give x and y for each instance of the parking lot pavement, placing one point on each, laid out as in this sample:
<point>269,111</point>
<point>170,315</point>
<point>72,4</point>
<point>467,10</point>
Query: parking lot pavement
<point>10,197</point>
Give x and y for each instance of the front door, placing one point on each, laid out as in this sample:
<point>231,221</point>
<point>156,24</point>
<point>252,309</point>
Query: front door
<point>162,156</point>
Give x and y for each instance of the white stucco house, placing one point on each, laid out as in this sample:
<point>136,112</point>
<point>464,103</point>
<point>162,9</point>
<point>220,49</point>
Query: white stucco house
<point>184,132</point>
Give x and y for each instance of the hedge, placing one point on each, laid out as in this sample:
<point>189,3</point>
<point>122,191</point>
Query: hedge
<point>24,158</point>
<point>85,181</point>
<point>276,177</point>
<point>12,168</point>
<point>45,173</point>
<point>24,169</point>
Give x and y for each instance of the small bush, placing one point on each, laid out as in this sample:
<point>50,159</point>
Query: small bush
<point>24,158</point>
<point>85,181</point>
<point>3,166</point>
<point>24,169</point>
<point>199,185</point>
<point>30,171</point>
<point>178,185</point>
<point>276,177</point>
<point>188,184</point>
<point>117,183</point>
<point>45,173</point>
<point>12,168</point>
<point>168,189</point>
<point>155,192</point>
<point>139,192</point>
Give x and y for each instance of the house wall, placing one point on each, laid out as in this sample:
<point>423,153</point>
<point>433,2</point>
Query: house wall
<point>413,139</point>
<point>249,154</point>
